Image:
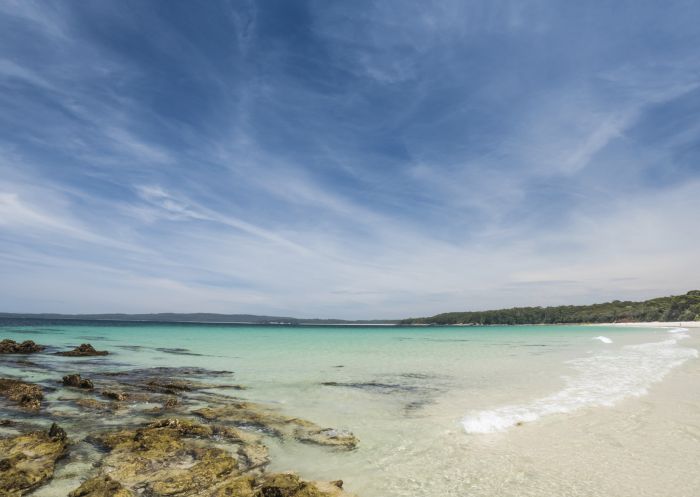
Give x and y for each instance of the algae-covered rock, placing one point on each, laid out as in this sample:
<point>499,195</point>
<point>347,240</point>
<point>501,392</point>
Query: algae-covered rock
<point>253,456</point>
<point>211,466</point>
<point>241,486</point>
<point>251,414</point>
<point>75,380</point>
<point>184,458</point>
<point>83,350</point>
<point>27,395</point>
<point>8,346</point>
<point>27,461</point>
<point>101,486</point>
<point>177,457</point>
<point>290,485</point>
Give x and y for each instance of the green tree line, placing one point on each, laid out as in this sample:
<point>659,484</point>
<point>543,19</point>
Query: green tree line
<point>675,308</point>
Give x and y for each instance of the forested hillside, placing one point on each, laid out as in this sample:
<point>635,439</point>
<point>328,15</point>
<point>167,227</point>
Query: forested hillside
<point>676,308</point>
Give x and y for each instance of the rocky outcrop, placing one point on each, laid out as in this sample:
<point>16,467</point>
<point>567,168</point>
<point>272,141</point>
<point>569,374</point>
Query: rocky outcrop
<point>274,485</point>
<point>83,350</point>
<point>27,347</point>
<point>27,395</point>
<point>274,423</point>
<point>101,486</point>
<point>75,380</point>
<point>290,485</point>
<point>27,461</point>
<point>171,457</point>
<point>115,395</point>
<point>57,433</point>
<point>223,456</point>
<point>177,457</point>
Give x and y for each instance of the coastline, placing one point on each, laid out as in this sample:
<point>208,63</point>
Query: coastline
<point>582,444</point>
<point>575,402</point>
<point>652,324</point>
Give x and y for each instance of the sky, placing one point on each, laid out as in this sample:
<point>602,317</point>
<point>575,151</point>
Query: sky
<point>346,159</point>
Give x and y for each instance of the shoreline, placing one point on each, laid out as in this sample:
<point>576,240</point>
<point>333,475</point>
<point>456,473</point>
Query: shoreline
<point>652,324</point>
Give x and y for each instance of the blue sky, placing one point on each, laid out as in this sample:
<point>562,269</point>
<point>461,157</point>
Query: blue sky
<point>346,159</point>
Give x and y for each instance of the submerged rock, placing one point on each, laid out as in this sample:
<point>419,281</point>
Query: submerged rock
<point>57,433</point>
<point>168,372</point>
<point>74,380</point>
<point>83,350</point>
<point>101,486</point>
<point>8,346</point>
<point>374,386</point>
<point>115,395</point>
<point>96,405</point>
<point>27,461</point>
<point>27,395</point>
<point>169,404</point>
<point>250,414</point>
<point>164,386</point>
<point>173,386</point>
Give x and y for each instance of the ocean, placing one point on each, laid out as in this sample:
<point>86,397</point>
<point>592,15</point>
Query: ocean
<point>439,411</point>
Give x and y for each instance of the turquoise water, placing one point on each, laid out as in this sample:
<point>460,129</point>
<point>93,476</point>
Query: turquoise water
<point>418,398</point>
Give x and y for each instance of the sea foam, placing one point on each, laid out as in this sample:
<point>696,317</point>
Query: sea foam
<point>603,339</point>
<point>602,380</point>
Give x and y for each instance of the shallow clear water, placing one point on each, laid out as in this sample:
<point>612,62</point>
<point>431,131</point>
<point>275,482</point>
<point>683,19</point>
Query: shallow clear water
<point>448,411</point>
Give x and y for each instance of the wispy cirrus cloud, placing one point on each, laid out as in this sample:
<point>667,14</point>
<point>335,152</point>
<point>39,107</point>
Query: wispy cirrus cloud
<point>391,159</point>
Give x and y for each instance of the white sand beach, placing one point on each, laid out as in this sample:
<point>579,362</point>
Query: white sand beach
<point>656,324</point>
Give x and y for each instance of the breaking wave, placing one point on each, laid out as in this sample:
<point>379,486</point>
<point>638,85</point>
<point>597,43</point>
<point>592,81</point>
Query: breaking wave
<point>602,380</point>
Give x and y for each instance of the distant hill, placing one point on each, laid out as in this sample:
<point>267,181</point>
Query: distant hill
<point>676,308</point>
<point>171,317</point>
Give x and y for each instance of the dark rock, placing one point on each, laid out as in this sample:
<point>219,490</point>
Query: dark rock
<point>173,386</point>
<point>177,351</point>
<point>74,380</point>
<point>27,395</point>
<point>56,432</point>
<point>27,347</point>
<point>168,372</point>
<point>374,386</point>
<point>84,350</point>
<point>112,394</point>
<point>170,386</point>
